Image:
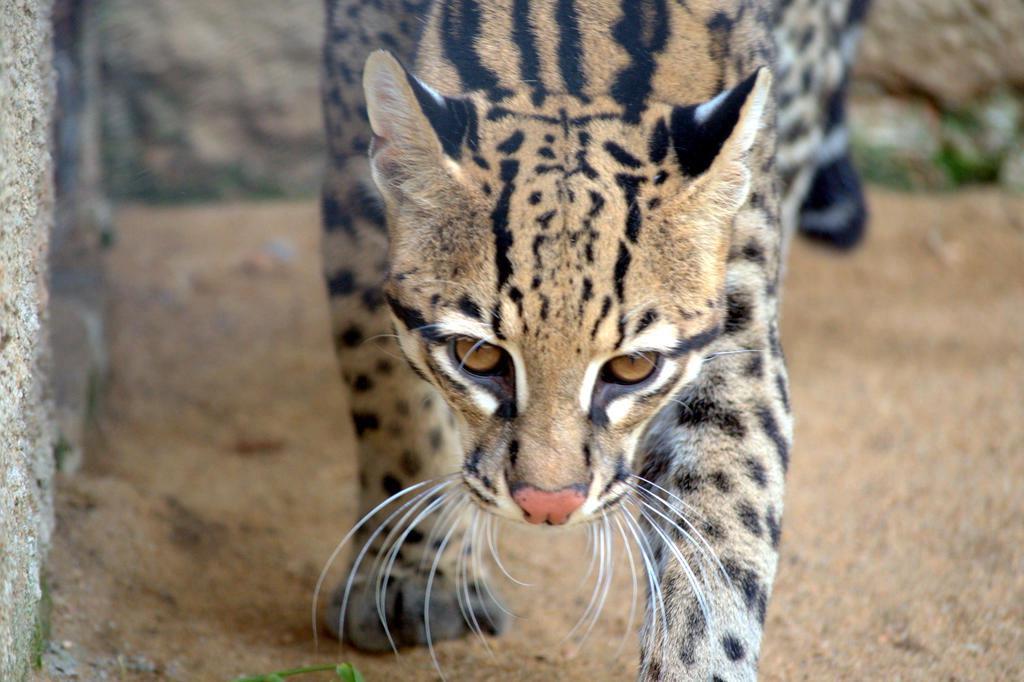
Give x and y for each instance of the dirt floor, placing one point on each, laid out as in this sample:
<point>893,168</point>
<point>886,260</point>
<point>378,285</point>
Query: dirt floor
<point>221,477</point>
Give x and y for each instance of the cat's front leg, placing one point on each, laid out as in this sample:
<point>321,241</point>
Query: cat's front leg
<point>707,509</point>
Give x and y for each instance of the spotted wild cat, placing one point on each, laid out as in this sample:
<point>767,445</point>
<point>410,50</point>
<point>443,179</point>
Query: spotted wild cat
<point>569,217</point>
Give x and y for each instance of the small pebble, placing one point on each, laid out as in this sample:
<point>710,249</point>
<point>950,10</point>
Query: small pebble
<point>280,249</point>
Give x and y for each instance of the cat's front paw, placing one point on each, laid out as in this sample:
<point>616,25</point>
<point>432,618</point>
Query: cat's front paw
<point>405,613</point>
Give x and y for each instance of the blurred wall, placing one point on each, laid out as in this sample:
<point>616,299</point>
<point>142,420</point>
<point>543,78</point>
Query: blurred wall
<point>207,99</point>
<point>951,51</point>
<point>211,98</point>
<point>939,96</point>
<point>26,433</point>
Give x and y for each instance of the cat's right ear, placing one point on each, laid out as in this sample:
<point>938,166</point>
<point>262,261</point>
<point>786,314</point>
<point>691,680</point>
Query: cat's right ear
<point>419,135</point>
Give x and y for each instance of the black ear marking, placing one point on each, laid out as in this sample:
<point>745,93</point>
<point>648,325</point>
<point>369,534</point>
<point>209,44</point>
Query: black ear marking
<point>699,130</point>
<point>453,119</point>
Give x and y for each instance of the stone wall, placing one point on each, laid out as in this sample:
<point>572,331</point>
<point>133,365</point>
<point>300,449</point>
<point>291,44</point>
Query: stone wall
<point>26,434</point>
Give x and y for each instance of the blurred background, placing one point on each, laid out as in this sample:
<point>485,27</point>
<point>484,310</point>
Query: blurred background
<point>204,446</point>
<point>212,100</point>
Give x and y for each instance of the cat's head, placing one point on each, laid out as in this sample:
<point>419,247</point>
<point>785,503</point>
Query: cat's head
<point>556,271</point>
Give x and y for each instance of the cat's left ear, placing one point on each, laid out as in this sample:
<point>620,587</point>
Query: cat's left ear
<point>711,142</point>
<point>419,134</point>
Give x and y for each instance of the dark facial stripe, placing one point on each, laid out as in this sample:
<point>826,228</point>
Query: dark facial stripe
<point>529,59</point>
<point>630,185</point>
<point>412,319</point>
<point>512,144</point>
<point>447,378</point>
<point>596,206</point>
<point>570,50</point>
<point>720,27</point>
<point>642,32</point>
<point>538,263</point>
<point>649,317</point>
<point>469,307</point>
<point>621,268</point>
<point>586,294</point>
<point>695,342</point>
<point>606,305</point>
<point>459,34</point>
<point>657,146</point>
<point>621,155</point>
<point>622,473</point>
<point>481,497</point>
<point>499,222</point>
<point>835,114</point>
<point>621,328</point>
<point>506,410</point>
<point>472,463</point>
<point>496,321</point>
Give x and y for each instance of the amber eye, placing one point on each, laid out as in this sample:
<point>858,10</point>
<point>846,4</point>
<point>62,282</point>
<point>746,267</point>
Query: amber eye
<point>630,369</point>
<point>476,356</point>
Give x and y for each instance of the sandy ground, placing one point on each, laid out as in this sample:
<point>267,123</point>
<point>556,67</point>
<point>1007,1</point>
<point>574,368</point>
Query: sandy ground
<point>221,477</point>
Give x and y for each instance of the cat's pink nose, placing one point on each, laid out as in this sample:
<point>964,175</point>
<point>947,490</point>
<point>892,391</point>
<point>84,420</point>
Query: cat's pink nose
<point>542,506</point>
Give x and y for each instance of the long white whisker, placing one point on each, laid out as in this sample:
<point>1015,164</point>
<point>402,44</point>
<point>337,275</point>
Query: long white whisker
<point>599,554</point>
<point>397,528</point>
<point>440,281</point>
<point>458,584</point>
<point>686,506</point>
<point>430,585</point>
<point>591,547</point>
<point>492,541</point>
<point>460,565</point>
<point>682,503</point>
<point>423,327</point>
<point>436,530</point>
<point>632,599</point>
<point>392,556</point>
<point>337,550</point>
<point>607,580</point>
<point>463,573</point>
<point>381,336</point>
<point>400,358</point>
<point>353,571</point>
<point>705,548</point>
<point>734,352</point>
<point>481,576</point>
<point>684,564</point>
<point>653,578</point>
